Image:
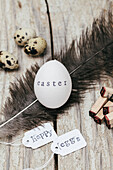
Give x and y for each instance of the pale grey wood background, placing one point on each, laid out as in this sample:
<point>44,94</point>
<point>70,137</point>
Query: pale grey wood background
<point>68,19</point>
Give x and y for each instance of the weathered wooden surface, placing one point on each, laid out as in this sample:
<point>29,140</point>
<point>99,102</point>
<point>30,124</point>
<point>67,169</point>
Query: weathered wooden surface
<point>68,19</point>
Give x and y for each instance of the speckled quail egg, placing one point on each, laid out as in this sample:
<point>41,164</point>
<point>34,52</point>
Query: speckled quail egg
<point>35,46</point>
<point>22,35</point>
<point>8,61</point>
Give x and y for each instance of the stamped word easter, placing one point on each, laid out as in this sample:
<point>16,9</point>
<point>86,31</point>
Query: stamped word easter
<point>52,83</point>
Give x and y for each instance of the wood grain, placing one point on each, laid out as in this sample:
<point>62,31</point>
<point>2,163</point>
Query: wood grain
<point>16,14</point>
<point>68,19</point>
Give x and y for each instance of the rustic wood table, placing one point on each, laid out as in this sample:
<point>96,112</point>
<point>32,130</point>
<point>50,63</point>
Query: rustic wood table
<point>59,22</point>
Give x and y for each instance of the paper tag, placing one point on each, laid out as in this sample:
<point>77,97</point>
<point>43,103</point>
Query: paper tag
<point>68,143</point>
<point>39,136</point>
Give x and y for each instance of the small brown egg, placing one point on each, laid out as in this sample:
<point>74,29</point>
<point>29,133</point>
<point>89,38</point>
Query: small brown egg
<point>22,35</point>
<point>8,61</point>
<point>35,46</point>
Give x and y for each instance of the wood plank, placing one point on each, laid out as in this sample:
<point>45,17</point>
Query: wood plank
<point>69,19</point>
<point>15,14</point>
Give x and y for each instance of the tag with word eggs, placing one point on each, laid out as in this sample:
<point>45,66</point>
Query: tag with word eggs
<point>39,136</point>
<point>68,143</point>
<point>53,85</point>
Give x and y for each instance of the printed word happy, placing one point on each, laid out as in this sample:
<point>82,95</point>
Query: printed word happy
<point>45,134</point>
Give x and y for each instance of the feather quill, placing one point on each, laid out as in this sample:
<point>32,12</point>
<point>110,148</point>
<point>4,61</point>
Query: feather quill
<point>95,60</point>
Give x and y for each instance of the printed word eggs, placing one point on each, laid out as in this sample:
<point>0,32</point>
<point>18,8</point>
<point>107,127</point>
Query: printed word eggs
<point>52,84</point>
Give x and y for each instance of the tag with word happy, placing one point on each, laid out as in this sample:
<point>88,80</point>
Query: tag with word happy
<point>39,136</point>
<point>68,143</point>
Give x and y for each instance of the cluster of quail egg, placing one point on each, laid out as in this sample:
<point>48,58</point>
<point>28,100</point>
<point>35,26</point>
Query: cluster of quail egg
<point>33,46</point>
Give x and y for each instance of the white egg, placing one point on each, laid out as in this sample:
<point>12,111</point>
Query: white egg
<point>53,84</point>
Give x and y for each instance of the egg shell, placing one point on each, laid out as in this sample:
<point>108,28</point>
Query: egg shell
<point>22,35</point>
<point>8,61</point>
<point>53,85</point>
<point>35,46</point>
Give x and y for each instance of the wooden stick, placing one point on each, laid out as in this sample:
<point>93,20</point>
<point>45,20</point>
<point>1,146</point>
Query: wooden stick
<point>107,124</point>
<point>106,91</point>
<point>97,106</point>
<point>109,119</point>
<point>111,126</point>
<point>108,107</point>
<point>99,117</point>
<point>107,110</point>
<point>108,104</point>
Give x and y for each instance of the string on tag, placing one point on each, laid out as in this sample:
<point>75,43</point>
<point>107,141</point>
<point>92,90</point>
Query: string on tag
<point>43,166</point>
<point>12,143</point>
<point>39,168</point>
